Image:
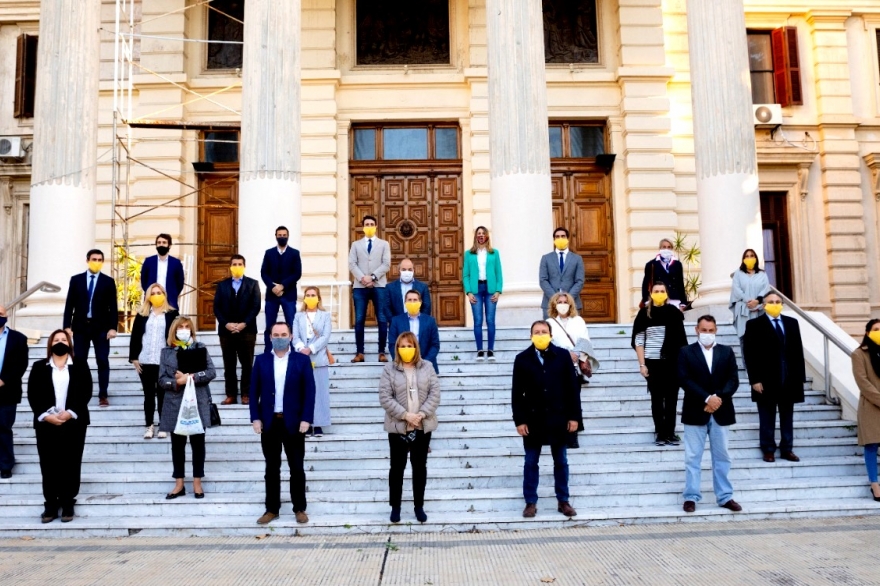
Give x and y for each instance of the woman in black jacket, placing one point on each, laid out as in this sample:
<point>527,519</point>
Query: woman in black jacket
<point>658,336</point>
<point>59,391</point>
<point>148,336</point>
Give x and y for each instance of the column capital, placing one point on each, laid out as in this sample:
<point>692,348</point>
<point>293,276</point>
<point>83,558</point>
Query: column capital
<point>828,19</point>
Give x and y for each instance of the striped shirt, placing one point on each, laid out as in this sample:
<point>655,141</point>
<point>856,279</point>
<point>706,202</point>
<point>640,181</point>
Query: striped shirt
<point>652,339</point>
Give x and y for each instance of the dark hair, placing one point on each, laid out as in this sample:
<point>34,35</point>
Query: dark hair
<point>279,228</point>
<point>539,322</point>
<point>94,251</point>
<point>412,292</point>
<point>52,337</point>
<point>369,218</point>
<point>281,323</point>
<point>742,265</point>
<point>773,293</point>
<point>706,317</point>
<point>650,303</point>
<point>561,229</point>
<point>166,237</point>
<point>237,257</point>
<point>868,327</point>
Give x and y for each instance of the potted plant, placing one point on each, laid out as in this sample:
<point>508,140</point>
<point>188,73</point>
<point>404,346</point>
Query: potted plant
<point>128,287</point>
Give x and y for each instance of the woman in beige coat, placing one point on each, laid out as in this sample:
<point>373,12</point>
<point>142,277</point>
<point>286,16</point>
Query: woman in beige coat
<point>866,370</point>
<point>409,391</point>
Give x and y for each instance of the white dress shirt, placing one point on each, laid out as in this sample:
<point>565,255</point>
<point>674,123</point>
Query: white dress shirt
<point>280,364</point>
<point>708,354</point>
<point>481,263</point>
<point>564,256</point>
<point>161,270</point>
<point>414,325</point>
<point>60,382</point>
<point>404,289</point>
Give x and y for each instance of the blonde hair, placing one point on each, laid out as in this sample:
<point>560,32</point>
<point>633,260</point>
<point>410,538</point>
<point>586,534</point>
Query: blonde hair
<point>176,325</point>
<point>146,306</point>
<point>476,246</point>
<point>551,310</point>
<point>318,292</point>
<point>411,338</point>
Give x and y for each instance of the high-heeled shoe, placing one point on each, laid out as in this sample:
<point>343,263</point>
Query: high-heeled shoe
<point>876,498</point>
<point>199,495</point>
<point>173,495</point>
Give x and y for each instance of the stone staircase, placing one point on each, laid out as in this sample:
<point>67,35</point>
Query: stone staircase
<point>475,468</point>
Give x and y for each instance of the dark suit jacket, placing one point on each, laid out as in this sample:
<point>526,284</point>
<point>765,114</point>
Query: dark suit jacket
<point>673,279</point>
<point>41,391</point>
<point>545,397</point>
<point>571,280</point>
<point>138,329</point>
<point>764,354</point>
<point>299,391</point>
<point>699,384</point>
<point>173,280</point>
<point>105,312</point>
<point>395,297</point>
<point>15,363</point>
<point>281,268</point>
<point>429,336</point>
<point>242,307</point>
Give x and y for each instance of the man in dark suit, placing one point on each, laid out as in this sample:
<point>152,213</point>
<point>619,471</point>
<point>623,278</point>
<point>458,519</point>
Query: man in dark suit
<point>397,290</point>
<point>282,410</point>
<point>546,401</point>
<point>709,375</point>
<point>561,271</point>
<point>423,326</point>
<point>164,269</point>
<point>665,269</point>
<point>281,270</point>
<point>236,306</point>
<point>777,373</point>
<point>91,317</point>
<point>13,363</point>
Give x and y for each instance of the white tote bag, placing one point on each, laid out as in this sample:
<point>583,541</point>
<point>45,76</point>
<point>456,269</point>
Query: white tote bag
<point>188,420</point>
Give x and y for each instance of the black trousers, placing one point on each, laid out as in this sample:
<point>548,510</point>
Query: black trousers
<point>767,422</point>
<point>238,348</point>
<point>294,444</point>
<point>663,386</point>
<point>60,448</point>
<point>83,339</point>
<point>152,392</point>
<point>418,459</point>
<point>178,454</point>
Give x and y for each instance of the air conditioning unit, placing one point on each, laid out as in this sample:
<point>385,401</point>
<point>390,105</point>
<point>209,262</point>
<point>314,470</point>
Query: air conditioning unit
<point>766,114</point>
<point>10,147</point>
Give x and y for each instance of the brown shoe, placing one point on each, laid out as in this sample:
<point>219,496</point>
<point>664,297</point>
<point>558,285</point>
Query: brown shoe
<point>228,401</point>
<point>103,403</point>
<point>566,509</point>
<point>769,457</point>
<point>789,456</point>
<point>266,518</point>
<point>301,517</point>
<point>732,505</point>
<point>382,358</point>
<point>689,506</point>
<point>358,358</point>
<point>245,400</point>
<point>530,511</point>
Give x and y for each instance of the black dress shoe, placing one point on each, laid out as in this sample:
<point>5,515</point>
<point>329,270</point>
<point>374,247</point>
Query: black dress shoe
<point>689,506</point>
<point>5,473</point>
<point>174,495</point>
<point>732,505</point>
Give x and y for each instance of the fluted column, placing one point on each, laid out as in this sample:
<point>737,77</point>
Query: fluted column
<point>519,152</point>
<point>62,201</point>
<point>724,143</point>
<point>269,189</point>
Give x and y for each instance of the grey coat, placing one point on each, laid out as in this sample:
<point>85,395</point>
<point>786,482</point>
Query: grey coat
<point>174,396</point>
<point>744,288</point>
<point>571,280</point>
<point>323,326</point>
<point>377,262</point>
<point>392,396</point>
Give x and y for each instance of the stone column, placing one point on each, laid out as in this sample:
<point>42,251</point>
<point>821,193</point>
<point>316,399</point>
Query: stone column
<point>724,142</point>
<point>269,190</point>
<point>519,152</point>
<point>62,201</point>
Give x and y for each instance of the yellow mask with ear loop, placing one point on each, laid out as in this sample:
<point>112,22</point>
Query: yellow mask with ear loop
<point>407,354</point>
<point>561,243</point>
<point>773,309</point>
<point>874,337</point>
<point>659,298</point>
<point>750,263</point>
<point>369,231</point>
<point>541,341</point>
<point>157,300</point>
<point>237,272</point>
<point>95,266</point>
<point>311,302</point>
<point>413,307</point>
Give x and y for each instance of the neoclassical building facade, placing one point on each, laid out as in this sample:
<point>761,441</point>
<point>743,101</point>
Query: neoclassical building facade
<point>624,120</point>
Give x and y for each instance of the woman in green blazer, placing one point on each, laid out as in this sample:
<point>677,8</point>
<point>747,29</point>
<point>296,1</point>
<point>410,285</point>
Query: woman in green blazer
<point>482,285</point>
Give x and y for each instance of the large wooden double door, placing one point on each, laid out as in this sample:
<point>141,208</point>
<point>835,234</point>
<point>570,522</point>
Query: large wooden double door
<point>420,215</point>
<point>218,239</point>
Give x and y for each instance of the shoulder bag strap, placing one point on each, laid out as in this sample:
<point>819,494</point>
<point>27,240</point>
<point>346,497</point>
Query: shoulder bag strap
<point>564,331</point>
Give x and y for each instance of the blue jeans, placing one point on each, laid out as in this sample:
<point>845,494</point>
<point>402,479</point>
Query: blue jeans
<point>379,298</point>
<point>871,461</point>
<point>7,456</point>
<point>484,303</point>
<point>272,307</point>
<point>694,444</point>
<point>531,473</point>
<point>82,340</point>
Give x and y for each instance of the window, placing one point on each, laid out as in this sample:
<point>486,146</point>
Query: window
<point>774,65</point>
<point>220,147</point>
<point>225,23</point>
<point>25,76</point>
<point>576,141</point>
<point>570,31</point>
<point>402,32</point>
<point>406,143</point>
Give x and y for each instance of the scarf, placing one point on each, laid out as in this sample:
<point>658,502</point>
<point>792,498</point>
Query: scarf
<point>671,319</point>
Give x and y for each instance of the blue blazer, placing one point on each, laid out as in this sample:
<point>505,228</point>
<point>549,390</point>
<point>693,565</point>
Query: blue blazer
<point>299,391</point>
<point>429,336</point>
<point>105,312</point>
<point>281,268</point>
<point>173,280</point>
<point>395,297</point>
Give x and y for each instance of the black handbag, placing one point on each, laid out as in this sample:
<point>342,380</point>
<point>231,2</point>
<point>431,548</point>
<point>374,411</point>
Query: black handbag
<point>215,416</point>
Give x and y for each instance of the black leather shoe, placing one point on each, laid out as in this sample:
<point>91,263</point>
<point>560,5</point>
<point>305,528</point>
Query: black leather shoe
<point>173,495</point>
<point>199,495</point>
<point>395,515</point>
<point>49,515</point>
<point>789,456</point>
<point>732,505</point>
<point>689,506</point>
<point>5,473</point>
<point>67,514</point>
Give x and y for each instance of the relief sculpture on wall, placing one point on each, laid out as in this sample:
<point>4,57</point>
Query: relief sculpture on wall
<point>570,31</point>
<point>402,32</point>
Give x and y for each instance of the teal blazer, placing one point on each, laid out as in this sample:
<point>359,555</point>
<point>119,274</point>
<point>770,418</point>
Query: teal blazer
<point>471,273</point>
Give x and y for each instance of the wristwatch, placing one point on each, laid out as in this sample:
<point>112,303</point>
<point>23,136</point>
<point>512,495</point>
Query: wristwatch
<point>375,278</point>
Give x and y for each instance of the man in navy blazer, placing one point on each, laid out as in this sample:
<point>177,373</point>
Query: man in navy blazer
<point>282,408</point>
<point>164,269</point>
<point>397,290</point>
<point>423,326</point>
<point>91,316</point>
<point>13,363</point>
<point>281,270</point>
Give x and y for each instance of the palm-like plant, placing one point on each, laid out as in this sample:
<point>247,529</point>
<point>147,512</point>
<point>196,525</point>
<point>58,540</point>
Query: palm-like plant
<point>689,256</point>
<point>128,284</point>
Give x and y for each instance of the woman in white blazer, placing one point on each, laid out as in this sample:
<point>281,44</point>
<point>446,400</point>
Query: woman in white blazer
<point>311,332</point>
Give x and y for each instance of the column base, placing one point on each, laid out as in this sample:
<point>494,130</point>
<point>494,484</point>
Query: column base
<point>519,307</point>
<point>721,313</point>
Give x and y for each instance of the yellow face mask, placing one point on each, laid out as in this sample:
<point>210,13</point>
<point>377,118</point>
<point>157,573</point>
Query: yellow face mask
<point>750,262</point>
<point>773,309</point>
<point>413,307</point>
<point>541,341</point>
<point>237,271</point>
<point>659,298</point>
<point>157,300</point>
<point>369,231</point>
<point>874,336</point>
<point>561,243</point>
<point>311,302</point>
<point>406,354</point>
<point>95,266</point>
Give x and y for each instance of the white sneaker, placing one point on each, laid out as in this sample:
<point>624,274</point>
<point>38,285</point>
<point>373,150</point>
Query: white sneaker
<point>162,435</point>
<point>148,434</point>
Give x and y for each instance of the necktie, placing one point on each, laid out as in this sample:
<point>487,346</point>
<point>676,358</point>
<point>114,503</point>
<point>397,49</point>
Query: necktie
<point>91,292</point>
<point>561,262</point>
<point>370,246</point>
<point>779,333</point>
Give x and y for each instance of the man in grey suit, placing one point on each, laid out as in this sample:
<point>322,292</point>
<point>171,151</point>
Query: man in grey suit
<point>368,261</point>
<point>562,271</point>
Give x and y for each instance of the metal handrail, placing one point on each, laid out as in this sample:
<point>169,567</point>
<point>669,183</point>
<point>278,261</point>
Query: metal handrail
<point>42,287</point>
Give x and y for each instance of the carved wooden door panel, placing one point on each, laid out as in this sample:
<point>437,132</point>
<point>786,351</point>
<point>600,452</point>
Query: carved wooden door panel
<point>218,240</point>
<point>448,252</point>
